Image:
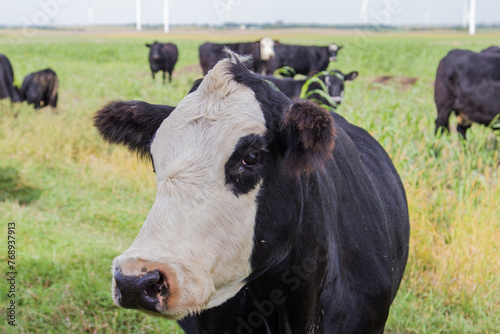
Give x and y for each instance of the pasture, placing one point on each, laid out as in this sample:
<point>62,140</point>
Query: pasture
<point>78,202</point>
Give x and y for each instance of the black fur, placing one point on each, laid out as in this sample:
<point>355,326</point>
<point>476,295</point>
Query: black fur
<point>7,89</point>
<point>162,57</point>
<point>468,84</point>
<point>131,123</point>
<point>41,86</point>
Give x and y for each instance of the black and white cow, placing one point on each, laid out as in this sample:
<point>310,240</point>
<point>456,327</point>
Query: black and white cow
<point>261,51</point>
<point>162,57</point>
<point>468,84</point>
<point>271,216</point>
<point>307,60</point>
<point>40,88</point>
<point>7,89</point>
<point>334,83</point>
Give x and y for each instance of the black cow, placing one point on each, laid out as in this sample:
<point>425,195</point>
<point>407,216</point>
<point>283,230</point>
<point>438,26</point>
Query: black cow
<point>40,87</point>
<point>307,60</point>
<point>7,89</point>
<point>492,49</point>
<point>468,84</point>
<point>162,57</point>
<point>271,216</point>
<point>334,83</point>
<point>261,51</point>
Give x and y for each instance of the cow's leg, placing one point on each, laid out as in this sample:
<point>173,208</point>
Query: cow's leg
<point>153,73</point>
<point>442,120</point>
<point>53,101</point>
<point>169,76</point>
<point>164,77</point>
<point>462,130</point>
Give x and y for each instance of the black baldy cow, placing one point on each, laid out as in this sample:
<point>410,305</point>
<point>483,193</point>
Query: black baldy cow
<point>40,88</point>
<point>162,57</point>
<point>307,60</point>
<point>261,51</point>
<point>333,82</point>
<point>468,84</point>
<point>7,89</point>
<point>271,216</point>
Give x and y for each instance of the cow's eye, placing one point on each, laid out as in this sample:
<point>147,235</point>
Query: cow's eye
<point>251,159</point>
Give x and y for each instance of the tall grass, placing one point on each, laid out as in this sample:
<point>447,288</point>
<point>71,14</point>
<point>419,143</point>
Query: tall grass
<point>94,197</point>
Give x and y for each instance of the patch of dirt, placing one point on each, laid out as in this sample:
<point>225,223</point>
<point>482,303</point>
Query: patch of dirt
<point>403,81</point>
<point>196,68</point>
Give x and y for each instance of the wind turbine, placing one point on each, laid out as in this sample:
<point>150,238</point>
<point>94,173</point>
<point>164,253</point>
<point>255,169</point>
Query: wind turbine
<point>138,7</point>
<point>472,17</point>
<point>363,13</point>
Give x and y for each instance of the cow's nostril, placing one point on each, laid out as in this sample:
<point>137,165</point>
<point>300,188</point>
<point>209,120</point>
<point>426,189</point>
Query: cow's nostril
<point>157,288</point>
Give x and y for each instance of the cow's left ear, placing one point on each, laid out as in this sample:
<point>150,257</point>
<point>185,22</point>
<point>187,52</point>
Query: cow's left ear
<point>148,45</point>
<point>351,76</point>
<point>131,123</point>
<point>309,133</point>
<point>340,47</point>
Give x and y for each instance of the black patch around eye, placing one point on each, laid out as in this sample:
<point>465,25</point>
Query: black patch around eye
<point>241,175</point>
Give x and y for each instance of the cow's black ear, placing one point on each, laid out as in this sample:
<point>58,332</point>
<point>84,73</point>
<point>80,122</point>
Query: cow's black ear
<point>351,76</point>
<point>148,45</point>
<point>309,133</point>
<point>340,47</point>
<point>131,123</point>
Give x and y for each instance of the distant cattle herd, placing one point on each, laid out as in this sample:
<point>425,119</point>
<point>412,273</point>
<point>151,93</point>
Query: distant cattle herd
<point>467,83</point>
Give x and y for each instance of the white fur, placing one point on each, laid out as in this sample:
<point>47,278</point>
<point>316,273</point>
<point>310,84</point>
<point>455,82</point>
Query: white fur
<point>266,48</point>
<point>197,228</point>
<point>333,47</point>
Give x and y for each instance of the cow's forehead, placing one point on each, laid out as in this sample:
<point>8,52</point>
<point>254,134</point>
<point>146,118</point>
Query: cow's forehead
<point>210,121</point>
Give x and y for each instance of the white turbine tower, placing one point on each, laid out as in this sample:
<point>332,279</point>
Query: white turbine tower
<point>363,13</point>
<point>138,7</point>
<point>465,13</point>
<point>472,17</point>
<point>90,13</point>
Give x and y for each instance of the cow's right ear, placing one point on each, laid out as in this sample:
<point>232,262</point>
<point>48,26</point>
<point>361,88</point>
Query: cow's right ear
<point>131,123</point>
<point>148,45</point>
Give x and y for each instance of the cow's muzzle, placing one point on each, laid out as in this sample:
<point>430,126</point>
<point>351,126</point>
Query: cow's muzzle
<point>144,292</point>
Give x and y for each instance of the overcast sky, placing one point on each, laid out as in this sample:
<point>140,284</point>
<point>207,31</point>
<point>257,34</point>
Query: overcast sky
<point>394,12</point>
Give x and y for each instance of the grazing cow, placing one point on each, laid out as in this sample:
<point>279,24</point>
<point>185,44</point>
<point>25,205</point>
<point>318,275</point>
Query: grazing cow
<point>334,83</point>
<point>307,60</point>
<point>40,87</point>
<point>261,51</point>
<point>162,57</point>
<point>271,216</point>
<point>7,89</point>
<point>468,84</point>
<point>492,49</point>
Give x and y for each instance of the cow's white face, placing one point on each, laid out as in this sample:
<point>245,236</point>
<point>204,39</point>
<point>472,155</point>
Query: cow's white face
<point>199,233</point>
<point>266,48</point>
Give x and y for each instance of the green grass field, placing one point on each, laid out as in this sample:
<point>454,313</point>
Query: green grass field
<point>78,202</point>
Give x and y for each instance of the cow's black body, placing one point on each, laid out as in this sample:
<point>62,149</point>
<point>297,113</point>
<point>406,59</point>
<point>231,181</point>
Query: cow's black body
<point>307,60</point>
<point>211,53</point>
<point>162,57</point>
<point>7,89</point>
<point>468,84</point>
<point>492,49</point>
<point>40,87</point>
<point>333,82</point>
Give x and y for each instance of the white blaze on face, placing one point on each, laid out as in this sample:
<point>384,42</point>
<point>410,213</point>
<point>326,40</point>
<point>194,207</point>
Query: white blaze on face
<point>266,48</point>
<point>198,231</point>
<point>333,48</point>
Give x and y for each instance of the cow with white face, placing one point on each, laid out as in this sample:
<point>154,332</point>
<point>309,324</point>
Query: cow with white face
<point>271,216</point>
